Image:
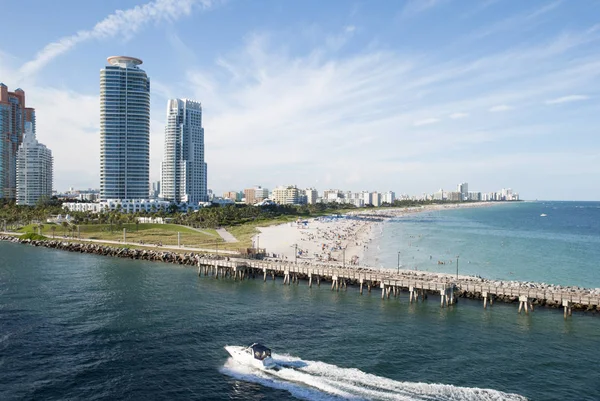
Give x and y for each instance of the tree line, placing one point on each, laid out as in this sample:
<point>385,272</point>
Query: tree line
<point>14,216</point>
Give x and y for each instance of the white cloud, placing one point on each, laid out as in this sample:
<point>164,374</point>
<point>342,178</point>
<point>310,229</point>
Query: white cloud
<point>427,121</point>
<point>518,21</point>
<point>121,22</point>
<point>68,123</point>
<point>311,114</point>
<point>567,99</point>
<point>499,108</point>
<point>357,117</point>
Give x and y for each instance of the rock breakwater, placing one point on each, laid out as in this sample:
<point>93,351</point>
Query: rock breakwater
<point>187,259</point>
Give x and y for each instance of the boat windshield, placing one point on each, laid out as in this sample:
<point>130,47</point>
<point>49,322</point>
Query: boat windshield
<point>260,351</point>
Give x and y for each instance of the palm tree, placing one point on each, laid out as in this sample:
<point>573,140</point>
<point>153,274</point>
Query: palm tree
<point>53,228</point>
<point>40,228</point>
<point>65,226</point>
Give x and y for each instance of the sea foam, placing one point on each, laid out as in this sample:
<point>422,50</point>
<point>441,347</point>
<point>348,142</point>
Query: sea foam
<point>314,380</point>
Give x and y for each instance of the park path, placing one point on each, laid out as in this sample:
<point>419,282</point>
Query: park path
<point>198,230</point>
<point>226,235</point>
<point>137,244</point>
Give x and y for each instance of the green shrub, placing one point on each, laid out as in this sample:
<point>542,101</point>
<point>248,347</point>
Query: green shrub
<point>33,237</point>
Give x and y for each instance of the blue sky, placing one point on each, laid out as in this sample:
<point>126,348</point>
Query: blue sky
<point>407,96</point>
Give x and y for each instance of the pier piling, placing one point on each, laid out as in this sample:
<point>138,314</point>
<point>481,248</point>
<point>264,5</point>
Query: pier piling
<point>524,303</point>
<point>393,283</point>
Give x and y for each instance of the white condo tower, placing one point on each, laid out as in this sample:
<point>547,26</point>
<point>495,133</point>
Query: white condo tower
<point>34,169</point>
<point>183,170</point>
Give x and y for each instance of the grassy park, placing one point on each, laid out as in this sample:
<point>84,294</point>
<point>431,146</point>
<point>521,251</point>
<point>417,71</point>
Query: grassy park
<point>151,234</point>
<point>147,234</point>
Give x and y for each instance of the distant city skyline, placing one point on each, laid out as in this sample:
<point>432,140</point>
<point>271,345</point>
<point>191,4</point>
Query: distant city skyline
<point>495,93</point>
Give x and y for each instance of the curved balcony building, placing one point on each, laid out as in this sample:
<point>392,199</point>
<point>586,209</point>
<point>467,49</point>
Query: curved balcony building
<point>124,130</point>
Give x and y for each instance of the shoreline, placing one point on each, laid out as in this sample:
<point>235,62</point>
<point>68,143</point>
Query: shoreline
<point>337,240</point>
<point>194,259</point>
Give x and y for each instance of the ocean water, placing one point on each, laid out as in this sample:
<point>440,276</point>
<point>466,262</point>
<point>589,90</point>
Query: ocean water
<point>78,326</point>
<point>511,241</point>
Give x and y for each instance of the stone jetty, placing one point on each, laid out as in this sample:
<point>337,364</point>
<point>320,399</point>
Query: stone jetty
<point>418,285</point>
<point>188,259</point>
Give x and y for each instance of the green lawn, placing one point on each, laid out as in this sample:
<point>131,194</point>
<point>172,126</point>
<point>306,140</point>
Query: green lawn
<point>165,234</point>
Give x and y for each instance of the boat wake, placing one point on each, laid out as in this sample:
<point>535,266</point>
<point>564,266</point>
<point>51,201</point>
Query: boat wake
<point>311,380</point>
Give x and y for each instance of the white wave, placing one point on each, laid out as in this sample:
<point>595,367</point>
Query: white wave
<point>313,380</point>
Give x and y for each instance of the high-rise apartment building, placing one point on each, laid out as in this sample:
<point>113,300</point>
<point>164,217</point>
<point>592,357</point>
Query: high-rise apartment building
<point>124,130</point>
<point>289,195</point>
<point>388,197</point>
<point>376,199</point>
<point>13,116</point>
<point>34,169</point>
<point>155,190</point>
<point>311,196</point>
<point>255,195</point>
<point>463,188</point>
<point>183,170</point>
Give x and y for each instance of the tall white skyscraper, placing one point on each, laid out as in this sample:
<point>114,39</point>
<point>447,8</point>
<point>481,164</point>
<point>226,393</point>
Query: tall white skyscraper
<point>124,130</point>
<point>463,188</point>
<point>34,169</point>
<point>183,170</point>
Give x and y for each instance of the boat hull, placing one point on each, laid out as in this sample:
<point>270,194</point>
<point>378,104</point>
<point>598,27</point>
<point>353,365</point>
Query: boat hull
<point>240,355</point>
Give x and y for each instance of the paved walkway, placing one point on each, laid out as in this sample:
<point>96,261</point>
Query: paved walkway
<point>145,245</point>
<point>199,230</point>
<point>227,237</point>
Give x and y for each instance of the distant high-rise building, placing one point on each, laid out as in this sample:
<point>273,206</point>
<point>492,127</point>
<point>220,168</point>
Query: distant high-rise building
<point>155,190</point>
<point>183,168</point>
<point>311,196</point>
<point>13,116</point>
<point>34,169</point>
<point>439,195</point>
<point>255,195</point>
<point>388,197</point>
<point>454,196</point>
<point>376,199</point>
<point>463,188</point>
<point>289,195</point>
<point>232,195</point>
<point>124,130</point>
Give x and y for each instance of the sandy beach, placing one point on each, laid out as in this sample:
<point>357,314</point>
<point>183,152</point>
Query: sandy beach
<point>335,239</point>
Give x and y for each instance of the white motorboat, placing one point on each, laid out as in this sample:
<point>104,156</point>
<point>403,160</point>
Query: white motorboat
<point>256,355</point>
<point>543,215</point>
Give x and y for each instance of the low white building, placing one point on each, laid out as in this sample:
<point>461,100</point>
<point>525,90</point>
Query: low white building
<point>122,205</point>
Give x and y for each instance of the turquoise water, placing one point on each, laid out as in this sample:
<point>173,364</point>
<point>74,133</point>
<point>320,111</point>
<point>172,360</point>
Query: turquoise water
<point>508,241</point>
<point>77,326</point>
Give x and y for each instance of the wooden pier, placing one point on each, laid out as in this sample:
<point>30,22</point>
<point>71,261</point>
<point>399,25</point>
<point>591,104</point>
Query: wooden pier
<point>392,283</point>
